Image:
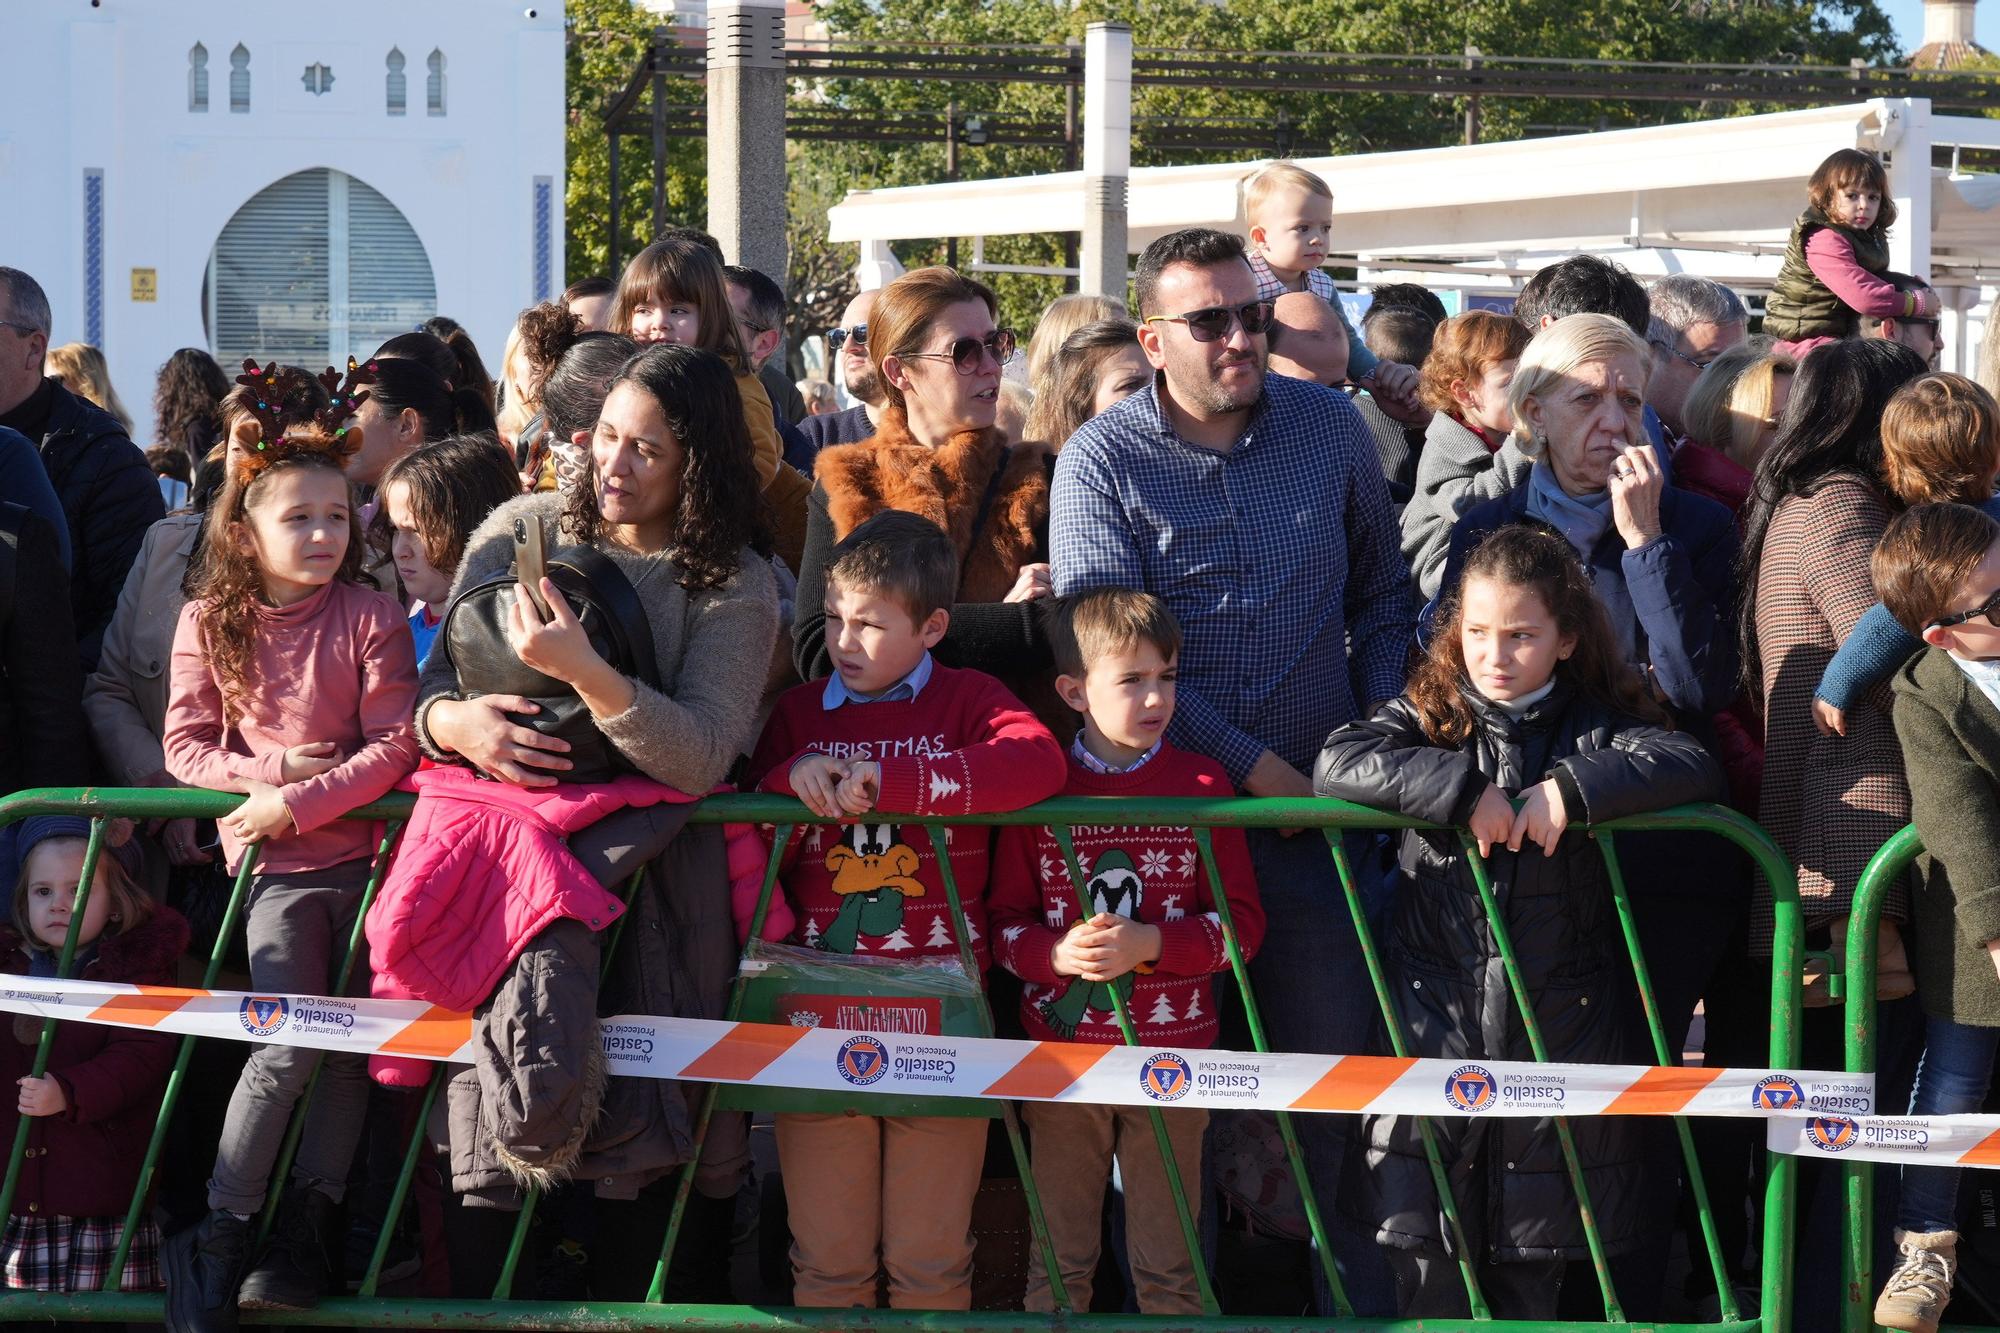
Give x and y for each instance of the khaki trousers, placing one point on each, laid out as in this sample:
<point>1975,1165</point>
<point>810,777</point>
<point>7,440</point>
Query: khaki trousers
<point>868,1193</point>
<point>1072,1151</point>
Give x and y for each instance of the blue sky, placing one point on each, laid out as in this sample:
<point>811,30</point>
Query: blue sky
<point>1908,16</point>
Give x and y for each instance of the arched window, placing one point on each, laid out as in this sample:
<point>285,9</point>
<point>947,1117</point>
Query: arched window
<point>239,79</point>
<point>197,77</point>
<point>315,268</point>
<point>434,86</point>
<point>398,86</point>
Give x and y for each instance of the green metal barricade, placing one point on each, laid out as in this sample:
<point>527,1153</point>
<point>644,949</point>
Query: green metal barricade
<point>1329,819</point>
<point>1857,1259</point>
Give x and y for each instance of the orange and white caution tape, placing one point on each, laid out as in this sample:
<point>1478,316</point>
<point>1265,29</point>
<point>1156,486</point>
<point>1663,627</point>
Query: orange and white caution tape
<point>845,1061</point>
<point>1937,1140</point>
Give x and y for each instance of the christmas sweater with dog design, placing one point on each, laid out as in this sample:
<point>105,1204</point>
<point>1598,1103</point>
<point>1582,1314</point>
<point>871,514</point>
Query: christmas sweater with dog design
<point>1150,875</point>
<point>963,746</point>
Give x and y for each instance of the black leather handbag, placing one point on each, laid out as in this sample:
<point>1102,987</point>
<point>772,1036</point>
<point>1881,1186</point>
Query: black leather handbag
<point>474,640</point>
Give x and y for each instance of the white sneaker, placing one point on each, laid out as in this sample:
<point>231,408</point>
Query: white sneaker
<point>1914,1297</point>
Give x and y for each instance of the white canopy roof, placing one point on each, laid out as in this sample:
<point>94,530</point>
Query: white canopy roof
<point>1716,195</point>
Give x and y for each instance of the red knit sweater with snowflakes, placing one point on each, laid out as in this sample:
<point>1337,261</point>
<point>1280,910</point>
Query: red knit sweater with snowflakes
<point>1153,875</point>
<point>964,746</point>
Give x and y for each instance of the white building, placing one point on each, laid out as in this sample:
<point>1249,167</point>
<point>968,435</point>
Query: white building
<point>280,180</point>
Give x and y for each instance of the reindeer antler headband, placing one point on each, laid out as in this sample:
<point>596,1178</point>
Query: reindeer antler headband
<point>290,421</point>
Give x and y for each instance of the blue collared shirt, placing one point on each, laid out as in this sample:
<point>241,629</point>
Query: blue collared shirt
<point>1279,556</point>
<point>1081,753</point>
<point>904,690</point>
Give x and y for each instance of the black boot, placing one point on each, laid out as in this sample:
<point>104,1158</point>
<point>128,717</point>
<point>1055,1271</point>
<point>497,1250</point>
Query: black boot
<point>203,1266</point>
<point>292,1273</point>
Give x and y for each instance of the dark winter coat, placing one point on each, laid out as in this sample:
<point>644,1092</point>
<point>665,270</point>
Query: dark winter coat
<point>1800,305</point>
<point>1451,991</point>
<point>43,739</point>
<point>85,1161</point>
<point>110,497</point>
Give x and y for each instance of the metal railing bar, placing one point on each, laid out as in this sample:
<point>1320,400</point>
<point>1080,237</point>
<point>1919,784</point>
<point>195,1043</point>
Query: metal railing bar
<point>378,870</point>
<point>1496,923</point>
<point>1468,1269</point>
<point>1628,924</point>
<point>1065,839</point>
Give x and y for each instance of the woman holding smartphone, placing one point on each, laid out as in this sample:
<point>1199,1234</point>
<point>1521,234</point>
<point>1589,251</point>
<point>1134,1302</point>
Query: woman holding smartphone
<point>670,496</point>
<point>672,499</point>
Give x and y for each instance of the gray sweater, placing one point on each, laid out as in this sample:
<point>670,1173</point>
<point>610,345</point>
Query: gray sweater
<point>1455,472</point>
<point>713,649</point>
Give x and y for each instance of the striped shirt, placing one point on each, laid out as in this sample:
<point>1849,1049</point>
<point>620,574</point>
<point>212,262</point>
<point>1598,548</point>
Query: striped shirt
<point>1279,556</point>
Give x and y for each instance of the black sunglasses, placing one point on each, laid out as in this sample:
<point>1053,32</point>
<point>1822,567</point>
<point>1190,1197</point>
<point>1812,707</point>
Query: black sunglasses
<point>967,355</point>
<point>836,338</point>
<point>1206,326</point>
<point>1989,609</point>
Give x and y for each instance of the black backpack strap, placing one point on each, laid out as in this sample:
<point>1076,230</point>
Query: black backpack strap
<point>620,601</point>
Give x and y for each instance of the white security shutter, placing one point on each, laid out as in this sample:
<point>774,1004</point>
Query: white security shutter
<point>389,285</point>
<point>267,281</point>
<point>315,268</point>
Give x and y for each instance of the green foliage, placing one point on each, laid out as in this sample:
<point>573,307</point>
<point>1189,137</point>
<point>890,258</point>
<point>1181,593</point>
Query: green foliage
<point>606,41</point>
<point>1710,31</point>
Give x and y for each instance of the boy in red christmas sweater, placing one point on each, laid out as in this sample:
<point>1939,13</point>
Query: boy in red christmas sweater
<point>1150,929</point>
<point>892,733</point>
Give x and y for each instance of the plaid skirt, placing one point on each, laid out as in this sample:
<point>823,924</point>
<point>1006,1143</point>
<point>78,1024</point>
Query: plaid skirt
<point>54,1253</point>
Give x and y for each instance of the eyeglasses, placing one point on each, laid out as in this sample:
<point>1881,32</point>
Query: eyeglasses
<point>1206,326</point>
<point>1989,609</point>
<point>1672,350</point>
<point>967,355</point>
<point>837,338</point>
<point>26,330</point>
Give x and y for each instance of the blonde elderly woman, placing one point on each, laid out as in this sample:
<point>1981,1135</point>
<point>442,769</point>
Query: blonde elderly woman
<point>1662,560</point>
<point>1731,416</point>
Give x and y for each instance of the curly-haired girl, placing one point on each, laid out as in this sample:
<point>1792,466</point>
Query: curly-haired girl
<point>293,683</point>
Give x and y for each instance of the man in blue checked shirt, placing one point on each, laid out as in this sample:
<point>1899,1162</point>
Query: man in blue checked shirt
<point>1253,505</point>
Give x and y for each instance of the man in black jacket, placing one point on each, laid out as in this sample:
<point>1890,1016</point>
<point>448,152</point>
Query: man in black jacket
<point>108,492</point>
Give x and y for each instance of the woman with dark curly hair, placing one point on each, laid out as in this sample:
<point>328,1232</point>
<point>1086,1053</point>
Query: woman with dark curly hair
<point>672,497</point>
<point>187,402</point>
<point>669,492</point>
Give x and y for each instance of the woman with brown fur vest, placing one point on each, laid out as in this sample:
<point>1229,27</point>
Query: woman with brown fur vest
<point>933,339</point>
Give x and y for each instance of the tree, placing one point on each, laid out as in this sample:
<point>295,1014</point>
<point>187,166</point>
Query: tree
<point>606,41</point>
<point>940,937</point>
<point>897,942</point>
<point>1163,1012</point>
<point>1194,1007</point>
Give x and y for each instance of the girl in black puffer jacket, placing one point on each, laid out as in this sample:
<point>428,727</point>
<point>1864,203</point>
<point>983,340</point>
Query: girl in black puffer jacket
<point>1524,696</point>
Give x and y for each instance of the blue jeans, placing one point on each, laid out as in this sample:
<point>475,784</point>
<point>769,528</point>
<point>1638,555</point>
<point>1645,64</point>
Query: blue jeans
<point>1313,993</point>
<point>1952,1078</point>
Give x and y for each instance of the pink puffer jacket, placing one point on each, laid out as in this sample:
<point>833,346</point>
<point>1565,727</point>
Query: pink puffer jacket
<point>481,870</point>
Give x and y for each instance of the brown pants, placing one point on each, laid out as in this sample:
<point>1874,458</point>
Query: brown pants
<point>867,1193</point>
<point>1073,1148</point>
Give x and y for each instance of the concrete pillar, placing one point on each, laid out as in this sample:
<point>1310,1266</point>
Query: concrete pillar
<point>1906,151</point>
<point>746,132</point>
<point>1107,156</point>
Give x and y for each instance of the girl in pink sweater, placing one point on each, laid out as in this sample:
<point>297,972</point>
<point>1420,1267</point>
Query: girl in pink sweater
<point>294,684</point>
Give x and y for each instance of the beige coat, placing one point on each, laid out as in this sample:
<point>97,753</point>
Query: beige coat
<point>126,698</point>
